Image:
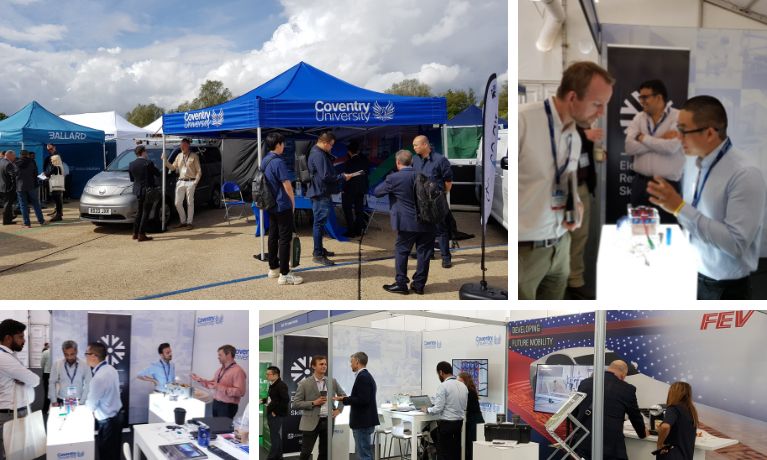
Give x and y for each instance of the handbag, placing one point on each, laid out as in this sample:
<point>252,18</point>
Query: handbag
<point>56,183</point>
<point>24,438</point>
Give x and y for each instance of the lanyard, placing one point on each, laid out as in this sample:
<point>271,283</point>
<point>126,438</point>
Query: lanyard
<point>660,122</point>
<point>223,371</point>
<point>699,187</point>
<point>558,171</point>
<point>93,372</point>
<point>166,372</point>
<point>14,356</point>
<point>71,377</point>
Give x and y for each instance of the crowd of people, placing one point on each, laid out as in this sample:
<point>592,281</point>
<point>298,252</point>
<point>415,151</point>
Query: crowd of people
<point>720,206</point>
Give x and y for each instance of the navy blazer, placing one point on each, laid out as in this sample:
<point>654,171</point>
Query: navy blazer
<point>363,402</point>
<point>325,181</point>
<point>400,186</point>
<point>142,173</point>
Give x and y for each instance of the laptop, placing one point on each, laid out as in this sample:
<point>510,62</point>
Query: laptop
<point>217,425</point>
<point>421,401</point>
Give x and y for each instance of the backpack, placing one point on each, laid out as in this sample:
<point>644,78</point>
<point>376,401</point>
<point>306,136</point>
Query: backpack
<point>262,194</point>
<point>430,201</point>
<point>301,167</point>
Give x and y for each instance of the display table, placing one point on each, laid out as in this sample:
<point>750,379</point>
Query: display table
<point>668,272</point>
<point>147,439</point>
<point>70,436</point>
<point>161,408</point>
<point>641,448</point>
<point>484,450</point>
<point>418,420</point>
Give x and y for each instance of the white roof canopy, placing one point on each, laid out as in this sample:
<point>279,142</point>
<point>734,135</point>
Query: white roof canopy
<point>154,127</point>
<point>112,123</point>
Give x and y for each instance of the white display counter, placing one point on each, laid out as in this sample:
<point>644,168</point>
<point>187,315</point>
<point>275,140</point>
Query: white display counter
<point>418,420</point>
<point>484,450</point>
<point>71,435</point>
<point>641,448</point>
<point>668,272</point>
<point>161,408</point>
<point>147,439</point>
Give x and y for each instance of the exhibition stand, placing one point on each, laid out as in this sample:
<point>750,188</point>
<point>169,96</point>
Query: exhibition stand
<point>642,448</point>
<point>162,405</point>
<point>627,264</point>
<point>484,450</point>
<point>147,440</point>
<point>70,435</point>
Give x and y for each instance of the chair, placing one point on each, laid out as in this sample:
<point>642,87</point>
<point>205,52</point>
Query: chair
<point>231,188</point>
<point>383,429</point>
<point>399,432</point>
<point>126,451</point>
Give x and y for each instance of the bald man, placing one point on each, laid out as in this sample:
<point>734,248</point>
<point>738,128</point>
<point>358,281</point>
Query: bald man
<point>620,399</point>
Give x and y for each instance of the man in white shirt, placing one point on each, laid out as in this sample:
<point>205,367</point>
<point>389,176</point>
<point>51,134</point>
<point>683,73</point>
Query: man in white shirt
<point>549,148</point>
<point>70,376</point>
<point>15,379</point>
<point>187,165</point>
<point>653,142</point>
<point>450,404</point>
<point>104,401</point>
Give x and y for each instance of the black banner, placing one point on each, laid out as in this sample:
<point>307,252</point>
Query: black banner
<point>297,356</point>
<point>114,331</point>
<point>630,67</point>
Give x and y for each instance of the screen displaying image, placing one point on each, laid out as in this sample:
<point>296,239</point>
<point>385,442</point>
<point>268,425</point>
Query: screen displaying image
<point>554,384</point>
<point>476,368</point>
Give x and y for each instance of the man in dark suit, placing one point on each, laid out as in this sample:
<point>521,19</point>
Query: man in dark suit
<point>400,188</point>
<point>142,173</point>
<point>277,404</point>
<point>364,416</point>
<point>353,198</point>
<point>620,399</point>
<point>26,188</point>
<point>8,185</point>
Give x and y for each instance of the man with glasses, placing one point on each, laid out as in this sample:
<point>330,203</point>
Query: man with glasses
<point>549,148</point>
<point>104,401</point>
<point>653,142</point>
<point>277,408</point>
<point>723,205</point>
<point>325,182</point>
<point>70,377</point>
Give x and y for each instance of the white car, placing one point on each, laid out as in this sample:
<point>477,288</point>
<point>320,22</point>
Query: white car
<point>649,390</point>
<point>500,209</point>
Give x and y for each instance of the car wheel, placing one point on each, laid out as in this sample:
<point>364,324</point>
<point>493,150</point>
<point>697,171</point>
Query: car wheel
<point>215,197</point>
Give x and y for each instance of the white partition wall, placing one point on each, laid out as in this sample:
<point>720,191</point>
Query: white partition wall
<point>213,329</point>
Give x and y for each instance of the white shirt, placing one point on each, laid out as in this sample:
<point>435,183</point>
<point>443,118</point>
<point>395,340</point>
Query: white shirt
<point>45,361</point>
<point>451,400</point>
<point>104,392</point>
<point>537,221</point>
<point>322,385</point>
<point>77,375</point>
<point>655,155</point>
<point>15,377</point>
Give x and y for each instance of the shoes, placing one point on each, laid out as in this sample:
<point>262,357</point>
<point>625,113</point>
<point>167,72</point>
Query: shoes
<point>323,260</point>
<point>446,263</point>
<point>55,219</point>
<point>274,273</point>
<point>182,225</point>
<point>396,289</point>
<point>43,223</point>
<point>143,237</point>
<point>290,278</point>
<point>327,253</point>
<point>418,291</point>
<point>135,236</point>
<point>189,226</point>
<point>579,293</point>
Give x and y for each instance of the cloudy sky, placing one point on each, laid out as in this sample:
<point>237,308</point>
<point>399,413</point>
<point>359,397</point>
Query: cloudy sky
<point>89,55</point>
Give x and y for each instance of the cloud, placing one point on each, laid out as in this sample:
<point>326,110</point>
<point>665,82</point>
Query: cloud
<point>42,33</point>
<point>369,44</point>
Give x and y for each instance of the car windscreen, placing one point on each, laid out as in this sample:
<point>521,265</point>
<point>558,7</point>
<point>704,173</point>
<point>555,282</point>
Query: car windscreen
<point>124,160</point>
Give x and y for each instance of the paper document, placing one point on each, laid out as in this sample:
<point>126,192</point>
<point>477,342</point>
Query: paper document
<point>358,173</point>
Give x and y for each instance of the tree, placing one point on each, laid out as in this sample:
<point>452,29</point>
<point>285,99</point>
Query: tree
<point>212,92</point>
<point>503,101</point>
<point>3,116</point>
<point>410,87</point>
<point>142,115</point>
<point>459,100</point>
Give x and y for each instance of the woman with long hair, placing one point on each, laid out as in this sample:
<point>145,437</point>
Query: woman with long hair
<point>676,435</point>
<point>473,414</point>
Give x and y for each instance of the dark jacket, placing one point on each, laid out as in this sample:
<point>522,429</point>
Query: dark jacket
<point>620,399</point>
<point>280,403</point>
<point>363,402</point>
<point>142,173</point>
<point>7,176</point>
<point>26,175</point>
<point>589,173</point>
<point>400,186</point>
<point>357,185</point>
<point>473,411</point>
<point>682,435</point>
<point>325,181</point>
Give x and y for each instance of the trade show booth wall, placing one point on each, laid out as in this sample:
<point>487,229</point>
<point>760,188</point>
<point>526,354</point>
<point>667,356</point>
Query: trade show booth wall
<point>133,337</point>
<point>719,353</point>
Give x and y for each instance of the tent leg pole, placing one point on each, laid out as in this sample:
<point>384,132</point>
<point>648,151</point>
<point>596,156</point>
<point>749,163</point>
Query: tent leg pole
<point>260,211</point>
<point>221,204</point>
<point>162,207</point>
<point>104,150</point>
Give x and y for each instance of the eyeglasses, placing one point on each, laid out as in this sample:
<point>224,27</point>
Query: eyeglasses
<point>89,354</point>
<point>644,97</point>
<point>683,133</point>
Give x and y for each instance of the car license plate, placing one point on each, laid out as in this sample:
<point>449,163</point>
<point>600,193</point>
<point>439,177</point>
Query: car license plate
<point>101,211</point>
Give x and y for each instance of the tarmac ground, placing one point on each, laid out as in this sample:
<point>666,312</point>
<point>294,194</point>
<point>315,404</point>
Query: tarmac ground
<point>215,260</point>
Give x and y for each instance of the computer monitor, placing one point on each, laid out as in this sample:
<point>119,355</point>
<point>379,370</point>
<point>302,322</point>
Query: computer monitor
<point>555,382</point>
<point>420,401</point>
<point>477,369</point>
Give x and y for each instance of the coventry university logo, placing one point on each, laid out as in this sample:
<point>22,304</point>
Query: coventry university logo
<point>241,354</point>
<point>631,107</point>
<point>383,113</point>
<point>115,349</point>
<point>210,320</point>
<point>353,111</point>
<point>217,119</point>
<point>71,454</point>
<point>432,344</point>
<point>487,340</point>
<point>203,119</point>
<point>300,369</point>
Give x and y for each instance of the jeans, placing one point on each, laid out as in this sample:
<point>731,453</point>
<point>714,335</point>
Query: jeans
<point>711,289</point>
<point>280,234</point>
<point>25,199</point>
<point>362,442</point>
<point>275,435</point>
<point>321,208</point>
